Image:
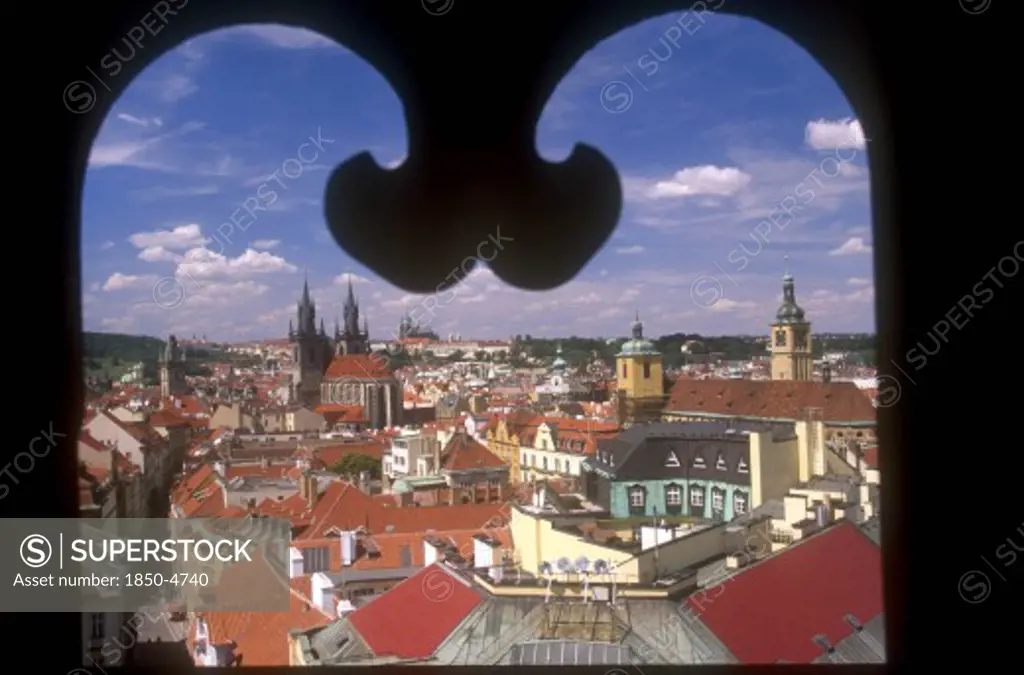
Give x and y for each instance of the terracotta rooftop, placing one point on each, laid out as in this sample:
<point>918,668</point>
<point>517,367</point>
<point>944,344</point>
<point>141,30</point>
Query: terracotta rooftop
<point>775,399</point>
<point>358,367</point>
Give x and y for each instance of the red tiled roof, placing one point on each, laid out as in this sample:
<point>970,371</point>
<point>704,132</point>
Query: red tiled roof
<point>463,453</point>
<point>346,507</point>
<point>412,619</point>
<point>261,638</point>
<point>167,418</point>
<point>776,399</point>
<point>329,455</point>
<point>358,367</point>
<point>773,610</point>
<point>333,413</point>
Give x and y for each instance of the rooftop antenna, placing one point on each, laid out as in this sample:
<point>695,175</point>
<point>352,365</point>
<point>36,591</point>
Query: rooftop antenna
<point>582,564</point>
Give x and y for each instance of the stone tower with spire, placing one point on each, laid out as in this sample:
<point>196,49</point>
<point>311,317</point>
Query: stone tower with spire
<point>311,351</point>
<point>350,338</point>
<point>172,369</point>
<point>792,357</point>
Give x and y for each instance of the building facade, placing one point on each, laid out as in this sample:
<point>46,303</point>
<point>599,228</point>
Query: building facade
<point>710,470</point>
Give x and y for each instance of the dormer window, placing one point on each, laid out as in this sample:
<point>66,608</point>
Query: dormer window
<point>742,466</point>
<point>672,460</point>
<point>698,462</point>
<point>720,463</point>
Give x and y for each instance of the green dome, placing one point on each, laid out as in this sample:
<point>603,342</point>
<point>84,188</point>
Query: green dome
<point>638,345</point>
<point>789,311</point>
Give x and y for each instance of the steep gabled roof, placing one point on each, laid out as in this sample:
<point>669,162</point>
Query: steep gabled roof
<point>773,610</point>
<point>415,617</point>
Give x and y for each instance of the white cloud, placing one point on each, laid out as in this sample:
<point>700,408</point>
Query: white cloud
<point>176,86</point>
<point>286,37</point>
<point>587,299</point>
<point>827,303</point>
<point>630,250</point>
<point>159,192</point>
<point>183,236</point>
<point>158,254</point>
<point>107,245</point>
<point>217,295</point>
<point>202,263</point>
<point>118,324</point>
<point>858,281</point>
<point>841,134</point>
<point>852,246</point>
<point>701,180</point>
<point>124,282</point>
<point>140,121</point>
<point>344,279</point>
<point>727,305</point>
<point>277,317</point>
<point>137,150</point>
<point>395,163</point>
<point>265,244</point>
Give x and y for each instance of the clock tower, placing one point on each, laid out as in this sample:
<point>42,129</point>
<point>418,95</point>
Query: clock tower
<point>792,358</point>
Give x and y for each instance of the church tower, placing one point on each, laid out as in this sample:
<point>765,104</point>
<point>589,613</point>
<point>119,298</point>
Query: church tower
<point>352,339</point>
<point>792,358</point>
<point>172,370</point>
<point>640,385</point>
<point>311,352</point>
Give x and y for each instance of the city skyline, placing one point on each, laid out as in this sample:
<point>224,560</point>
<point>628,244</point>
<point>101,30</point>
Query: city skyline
<point>733,126</point>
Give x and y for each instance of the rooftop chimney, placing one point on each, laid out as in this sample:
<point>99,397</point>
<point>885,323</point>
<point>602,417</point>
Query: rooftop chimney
<point>348,548</point>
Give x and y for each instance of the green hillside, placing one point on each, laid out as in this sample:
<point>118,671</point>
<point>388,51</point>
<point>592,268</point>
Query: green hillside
<point>111,355</point>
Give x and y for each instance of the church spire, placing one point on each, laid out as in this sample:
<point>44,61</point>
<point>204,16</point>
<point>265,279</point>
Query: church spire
<point>638,327</point>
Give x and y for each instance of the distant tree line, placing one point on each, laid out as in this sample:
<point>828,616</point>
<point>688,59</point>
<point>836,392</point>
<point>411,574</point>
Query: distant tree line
<point>579,352</point>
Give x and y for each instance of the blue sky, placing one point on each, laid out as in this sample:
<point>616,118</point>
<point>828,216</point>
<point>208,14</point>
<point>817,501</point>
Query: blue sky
<point>735,147</point>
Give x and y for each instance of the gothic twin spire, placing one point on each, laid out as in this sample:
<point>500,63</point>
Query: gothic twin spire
<point>307,316</point>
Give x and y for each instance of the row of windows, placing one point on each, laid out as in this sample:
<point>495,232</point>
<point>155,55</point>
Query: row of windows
<point>674,498</point>
<point>541,462</point>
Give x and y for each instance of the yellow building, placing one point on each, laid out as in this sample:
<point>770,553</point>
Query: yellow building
<point>792,358</point>
<point>640,380</point>
<point>504,439</point>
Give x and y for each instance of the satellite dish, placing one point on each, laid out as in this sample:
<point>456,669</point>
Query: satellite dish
<point>545,567</point>
<point>601,566</point>
<point>565,565</point>
<point>582,563</point>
